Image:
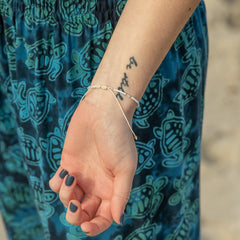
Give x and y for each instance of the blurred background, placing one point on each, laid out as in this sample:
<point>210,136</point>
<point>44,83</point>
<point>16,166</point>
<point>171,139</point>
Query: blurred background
<point>220,168</point>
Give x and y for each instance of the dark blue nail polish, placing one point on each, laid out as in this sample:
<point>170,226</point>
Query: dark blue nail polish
<point>122,219</point>
<point>63,173</point>
<point>69,180</point>
<point>73,208</point>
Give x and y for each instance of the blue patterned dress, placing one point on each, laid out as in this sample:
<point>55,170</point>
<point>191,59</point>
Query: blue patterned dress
<point>49,53</point>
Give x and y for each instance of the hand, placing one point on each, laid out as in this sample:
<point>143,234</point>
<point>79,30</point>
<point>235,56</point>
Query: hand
<point>98,163</point>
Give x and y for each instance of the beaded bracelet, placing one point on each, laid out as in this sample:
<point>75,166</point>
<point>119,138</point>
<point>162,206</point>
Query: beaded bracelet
<point>112,90</point>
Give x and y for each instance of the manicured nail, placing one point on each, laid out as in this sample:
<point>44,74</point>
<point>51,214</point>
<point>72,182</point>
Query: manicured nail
<point>63,173</point>
<point>69,180</point>
<point>73,208</point>
<point>122,219</point>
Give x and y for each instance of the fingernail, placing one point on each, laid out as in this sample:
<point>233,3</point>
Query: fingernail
<point>122,219</point>
<point>63,173</point>
<point>73,208</point>
<point>69,180</point>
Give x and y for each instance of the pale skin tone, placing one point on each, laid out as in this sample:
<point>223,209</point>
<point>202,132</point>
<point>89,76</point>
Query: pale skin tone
<point>99,149</point>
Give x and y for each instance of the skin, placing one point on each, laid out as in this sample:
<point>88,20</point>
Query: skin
<point>99,149</point>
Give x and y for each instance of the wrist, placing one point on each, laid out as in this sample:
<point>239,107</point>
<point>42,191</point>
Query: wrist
<point>116,73</point>
<point>105,109</point>
<point>108,98</point>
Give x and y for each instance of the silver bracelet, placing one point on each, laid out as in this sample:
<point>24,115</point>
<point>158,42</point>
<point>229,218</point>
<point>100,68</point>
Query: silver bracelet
<point>112,90</point>
<point>115,90</point>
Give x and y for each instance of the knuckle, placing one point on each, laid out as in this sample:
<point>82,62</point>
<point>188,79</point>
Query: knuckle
<point>53,184</point>
<point>70,219</point>
<point>123,196</point>
<point>63,197</point>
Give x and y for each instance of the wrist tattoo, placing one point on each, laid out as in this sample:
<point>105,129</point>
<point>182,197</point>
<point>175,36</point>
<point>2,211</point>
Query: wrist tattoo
<point>125,82</point>
<point>132,61</point>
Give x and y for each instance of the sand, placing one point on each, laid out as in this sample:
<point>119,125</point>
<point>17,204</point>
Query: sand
<point>220,169</point>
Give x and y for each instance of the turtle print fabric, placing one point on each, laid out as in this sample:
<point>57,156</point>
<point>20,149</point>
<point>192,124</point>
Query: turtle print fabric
<point>49,53</point>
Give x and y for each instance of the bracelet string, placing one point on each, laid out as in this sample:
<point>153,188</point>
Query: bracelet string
<point>112,90</point>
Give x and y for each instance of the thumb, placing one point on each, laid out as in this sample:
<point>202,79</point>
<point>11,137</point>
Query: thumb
<point>121,193</point>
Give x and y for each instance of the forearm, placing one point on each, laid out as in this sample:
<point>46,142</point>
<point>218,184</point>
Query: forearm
<point>143,36</point>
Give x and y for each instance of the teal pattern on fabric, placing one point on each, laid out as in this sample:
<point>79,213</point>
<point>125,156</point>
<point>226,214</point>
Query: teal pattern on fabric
<point>49,53</point>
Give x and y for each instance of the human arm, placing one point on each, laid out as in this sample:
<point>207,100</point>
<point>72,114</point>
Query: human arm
<point>146,30</point>
<point>99,150</point>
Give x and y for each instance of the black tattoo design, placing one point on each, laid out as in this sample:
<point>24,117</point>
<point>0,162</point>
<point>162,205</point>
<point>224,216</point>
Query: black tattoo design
<point>124,82</point>
<point>132,61</point>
